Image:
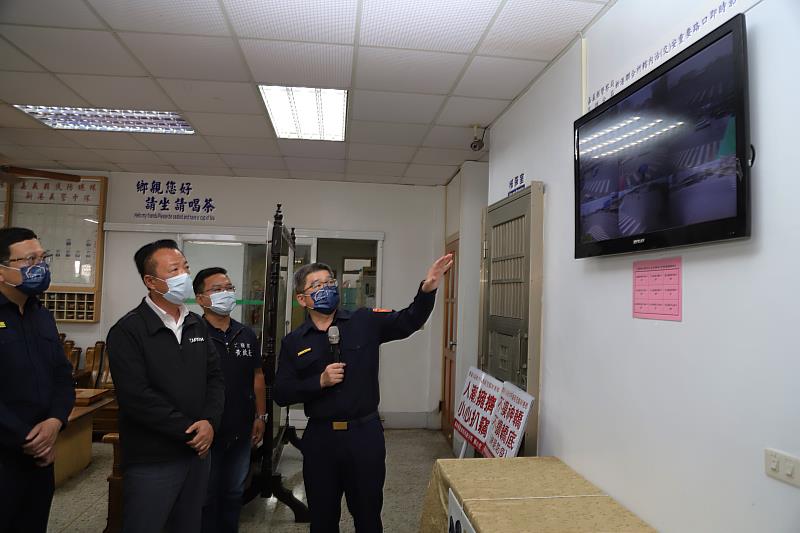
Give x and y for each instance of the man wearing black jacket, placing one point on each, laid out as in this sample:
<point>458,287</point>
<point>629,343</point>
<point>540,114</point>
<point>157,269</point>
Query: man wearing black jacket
<point>36,393</point>
<point>171,395</point>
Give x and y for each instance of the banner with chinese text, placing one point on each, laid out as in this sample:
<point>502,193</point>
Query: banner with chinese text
<point>508,423</point>
<point>478,402</point>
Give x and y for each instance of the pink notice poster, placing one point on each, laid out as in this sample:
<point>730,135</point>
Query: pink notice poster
<point>657,289</point>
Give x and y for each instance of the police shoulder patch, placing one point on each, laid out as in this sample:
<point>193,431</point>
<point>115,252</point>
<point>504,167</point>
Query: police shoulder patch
<point>301,352</point>
<point>381,310</point>
<point>2,324</point>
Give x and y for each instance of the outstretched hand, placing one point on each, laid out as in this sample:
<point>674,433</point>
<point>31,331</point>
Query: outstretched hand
<point>435,273</point>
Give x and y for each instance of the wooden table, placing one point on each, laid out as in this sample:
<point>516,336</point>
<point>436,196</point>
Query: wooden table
<point>523,495</point>
<point>74,444</point>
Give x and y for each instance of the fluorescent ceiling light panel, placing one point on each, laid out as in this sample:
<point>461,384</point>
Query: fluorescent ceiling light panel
<point>100,119</point>
<point>306,112</point>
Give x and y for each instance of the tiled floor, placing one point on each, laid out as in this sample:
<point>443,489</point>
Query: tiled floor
<point>80,505</point>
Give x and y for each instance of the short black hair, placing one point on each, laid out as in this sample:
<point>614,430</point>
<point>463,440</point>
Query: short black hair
<point>200,278</point>
<point>9,236</point>
<point>144,255</point>
<point>302,273</point>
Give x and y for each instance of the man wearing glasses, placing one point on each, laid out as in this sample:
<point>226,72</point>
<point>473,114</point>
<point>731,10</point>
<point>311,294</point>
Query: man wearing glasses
<point>36,391</point>
<point>243,420</point>
<point>343,445</point>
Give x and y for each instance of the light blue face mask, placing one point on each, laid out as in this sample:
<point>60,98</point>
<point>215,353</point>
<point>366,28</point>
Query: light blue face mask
<point>223,303</point>
<point>180,288</point>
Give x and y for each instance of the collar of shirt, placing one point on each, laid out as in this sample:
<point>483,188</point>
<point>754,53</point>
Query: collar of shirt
<point>32,300</point>
<point>308,325</point>
<point>176,326</point>
<point>220,335</point>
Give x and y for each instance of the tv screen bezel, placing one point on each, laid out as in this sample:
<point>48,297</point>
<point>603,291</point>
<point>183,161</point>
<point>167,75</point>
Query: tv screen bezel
<point>711,231</point>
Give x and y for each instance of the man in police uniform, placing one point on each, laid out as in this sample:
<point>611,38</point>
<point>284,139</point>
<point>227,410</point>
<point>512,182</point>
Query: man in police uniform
<point>343,446</point>
<point>243,420</point>
<point>36,391</point>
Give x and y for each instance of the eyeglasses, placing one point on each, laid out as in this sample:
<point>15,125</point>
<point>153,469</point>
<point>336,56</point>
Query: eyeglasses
<point>30,260</point>
<point>219,288</point>
<point>317,285</point>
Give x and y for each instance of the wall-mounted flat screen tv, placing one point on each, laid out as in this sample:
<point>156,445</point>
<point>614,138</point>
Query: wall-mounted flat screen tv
<point>665,162</point>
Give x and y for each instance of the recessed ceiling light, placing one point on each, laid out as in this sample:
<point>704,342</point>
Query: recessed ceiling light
<point>306,112</point>
<point>100,119</point>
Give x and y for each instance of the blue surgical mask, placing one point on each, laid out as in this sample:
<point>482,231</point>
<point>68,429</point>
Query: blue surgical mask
<point>222,303</point>
<point>180,288</point>
<point>326,299</point>
<point>35,279</point>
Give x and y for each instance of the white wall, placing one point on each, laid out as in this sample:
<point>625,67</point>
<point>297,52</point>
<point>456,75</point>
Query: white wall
<point>467,197</point>
<point>410,217</point>
<point>671,418</point>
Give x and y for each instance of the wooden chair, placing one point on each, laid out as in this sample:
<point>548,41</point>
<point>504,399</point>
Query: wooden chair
<point>61,338</point>
<point>69,345</point>
<point>114,519</point>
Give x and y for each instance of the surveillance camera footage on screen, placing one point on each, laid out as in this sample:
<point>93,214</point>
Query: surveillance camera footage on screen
<point>664,157</point>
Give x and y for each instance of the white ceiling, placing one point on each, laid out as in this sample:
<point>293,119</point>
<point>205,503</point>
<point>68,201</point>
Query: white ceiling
<point>420,73</point>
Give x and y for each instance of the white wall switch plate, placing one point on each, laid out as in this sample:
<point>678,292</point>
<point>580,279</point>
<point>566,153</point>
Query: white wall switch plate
<point>782,466</point>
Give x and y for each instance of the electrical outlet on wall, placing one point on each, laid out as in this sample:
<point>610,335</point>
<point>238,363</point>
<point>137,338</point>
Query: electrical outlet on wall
<point>782,466</point>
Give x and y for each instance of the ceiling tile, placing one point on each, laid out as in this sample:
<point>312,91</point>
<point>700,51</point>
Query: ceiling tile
<point>395,107</point>
<point>370,178</point>
<point>430,171</point>
<point>386,133</point>
<point>376,168</point>
<point>407,70</point>
<point>35,137</point>
<point>261,173</point>
<point>537,29</point>
<point>104,139</point>
<point>444,25</point>
<point>204,171</point>
<point>225,125</point>
<point>173,142</point>
<point>301,164</point>
<point>188,56</point>
<point>299,64</point>
<point>317,149</point>
<point>428,182</point>
<point>481,77</point>
<point>19,152</point>
<point>450,137</point>
<point>90,165</point>
<point>322,21</point>
<point>381,152</point>
<point>74,51</point>
<point>118,92</point>
<point>317,176</point>
<point>254,161</point>
<point>64,13</point>
<point>33,88</point>
<point>191,159</point>
<point>11,117</point>
<point>214,96</point>
<point>13,59</point>
<point>244,145</point>
<point>150,169</point>
<point>43,164</point>
<point>202,17</point>
<point>69,154</point>
<point>438,156</point>
<point>460,111</point>
<point>144,157</point>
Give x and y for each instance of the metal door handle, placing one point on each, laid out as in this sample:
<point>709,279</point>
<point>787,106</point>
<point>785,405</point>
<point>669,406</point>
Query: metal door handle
<point>451,345</point>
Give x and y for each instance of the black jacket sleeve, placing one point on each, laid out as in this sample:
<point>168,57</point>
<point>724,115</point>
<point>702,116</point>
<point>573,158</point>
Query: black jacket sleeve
<point>12,430</point>
<point>215,386</point>
<point>289,387</point>
<point>63,390</point>
<point>396,325</point>
<point>134,393</point>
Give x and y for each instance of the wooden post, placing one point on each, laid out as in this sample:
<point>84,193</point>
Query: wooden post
<point>114,521</point>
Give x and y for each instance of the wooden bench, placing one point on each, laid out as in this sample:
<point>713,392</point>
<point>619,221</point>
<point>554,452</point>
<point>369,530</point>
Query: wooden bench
<point>74,444</point>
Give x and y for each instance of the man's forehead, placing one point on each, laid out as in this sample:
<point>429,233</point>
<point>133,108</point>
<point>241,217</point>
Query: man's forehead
<point>31,245</point>
<point>217,279</point>
<point>319,274</point>
<point>169,256</point>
